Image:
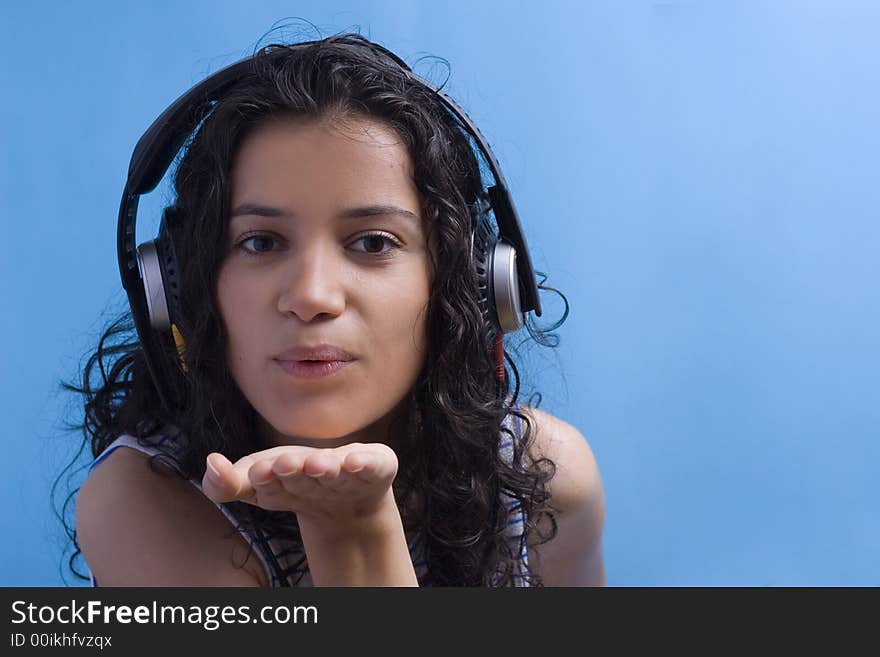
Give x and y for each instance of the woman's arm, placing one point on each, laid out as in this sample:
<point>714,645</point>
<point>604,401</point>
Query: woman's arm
<point>574,556</point>
<point>372,552</point>
<point>138,527</point>
<point>350,524</point>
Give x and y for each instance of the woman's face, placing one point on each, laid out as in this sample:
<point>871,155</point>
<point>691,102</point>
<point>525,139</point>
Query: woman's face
<point>325,246</point>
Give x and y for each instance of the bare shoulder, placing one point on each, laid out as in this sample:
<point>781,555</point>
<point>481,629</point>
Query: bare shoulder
<point>577,481</point>
<point>139,527</point>
<point>574,556</point>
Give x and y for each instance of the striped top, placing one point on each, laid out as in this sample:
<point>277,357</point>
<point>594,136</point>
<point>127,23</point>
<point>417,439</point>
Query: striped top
<point>285,554</point>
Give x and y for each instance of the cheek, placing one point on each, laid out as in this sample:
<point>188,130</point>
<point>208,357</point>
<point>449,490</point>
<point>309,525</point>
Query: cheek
<point>224,295</point>
<point>404,318</point>
<point>232,302</point>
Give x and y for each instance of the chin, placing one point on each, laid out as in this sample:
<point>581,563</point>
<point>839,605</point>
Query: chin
<point>290,430</point>
<point>312,431</point>
<point>328,420</point>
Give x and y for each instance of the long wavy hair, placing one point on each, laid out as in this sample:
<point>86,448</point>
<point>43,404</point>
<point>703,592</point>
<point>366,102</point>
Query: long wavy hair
<point>451,474</point>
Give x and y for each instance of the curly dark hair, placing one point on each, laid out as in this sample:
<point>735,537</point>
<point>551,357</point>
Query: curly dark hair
<point>451,472</point>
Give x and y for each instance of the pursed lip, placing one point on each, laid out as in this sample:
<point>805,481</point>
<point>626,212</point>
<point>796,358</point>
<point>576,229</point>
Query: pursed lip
<point>318,352</point>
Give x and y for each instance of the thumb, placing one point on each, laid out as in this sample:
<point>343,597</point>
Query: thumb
<point>222,482</point>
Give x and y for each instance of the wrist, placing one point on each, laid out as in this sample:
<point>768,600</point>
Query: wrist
<point>364,525</point>
<point>368,550</point>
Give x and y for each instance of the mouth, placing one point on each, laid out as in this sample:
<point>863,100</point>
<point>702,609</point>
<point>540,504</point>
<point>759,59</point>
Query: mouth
<point>318,353</point>
<point>316,361</point>
<point>313,369</point>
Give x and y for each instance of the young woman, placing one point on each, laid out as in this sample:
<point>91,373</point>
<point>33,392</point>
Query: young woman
<point>333,408</point>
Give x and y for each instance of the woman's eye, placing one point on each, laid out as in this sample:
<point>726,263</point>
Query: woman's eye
<point>259,244</point>
<point>374,242</point>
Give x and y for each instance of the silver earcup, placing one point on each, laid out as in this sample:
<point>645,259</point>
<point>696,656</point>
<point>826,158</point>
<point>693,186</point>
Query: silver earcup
<point>506,288</point>
<point>497,280</point>
<point>154,289</point>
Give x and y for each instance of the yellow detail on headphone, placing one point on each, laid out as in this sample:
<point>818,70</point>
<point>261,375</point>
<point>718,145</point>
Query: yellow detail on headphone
<point>181,345</point>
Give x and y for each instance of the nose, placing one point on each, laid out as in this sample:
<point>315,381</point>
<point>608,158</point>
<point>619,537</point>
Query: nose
<point>312,285</point>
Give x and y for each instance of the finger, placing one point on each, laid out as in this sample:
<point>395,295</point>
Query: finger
<point>245,462</point>
<point>301,487</point>
<point>322,464</point>
<point>260,473</point>
<point>373,466</point>
<point>222,483</point>
<point>367,469</point>
<point>288,463</point>
<point>355,462</point>
<point>269,493</point>
<point>348,480</point>
<point>288,468</point>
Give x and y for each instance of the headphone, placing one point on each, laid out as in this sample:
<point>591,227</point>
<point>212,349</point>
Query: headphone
<point>149,271</point>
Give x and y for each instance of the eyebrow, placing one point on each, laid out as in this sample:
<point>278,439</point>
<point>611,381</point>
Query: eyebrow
<point>350,213</point>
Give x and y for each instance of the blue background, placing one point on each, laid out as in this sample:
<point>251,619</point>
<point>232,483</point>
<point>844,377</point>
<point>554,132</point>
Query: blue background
<point>700,179</point>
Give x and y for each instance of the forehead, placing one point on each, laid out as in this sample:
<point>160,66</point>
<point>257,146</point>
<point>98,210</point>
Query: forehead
<point>308,161</point>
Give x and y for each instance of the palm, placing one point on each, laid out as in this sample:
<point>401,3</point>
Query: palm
<point>344,482</point>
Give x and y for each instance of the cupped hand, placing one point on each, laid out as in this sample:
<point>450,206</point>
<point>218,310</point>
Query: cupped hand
<point>346,482</point>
